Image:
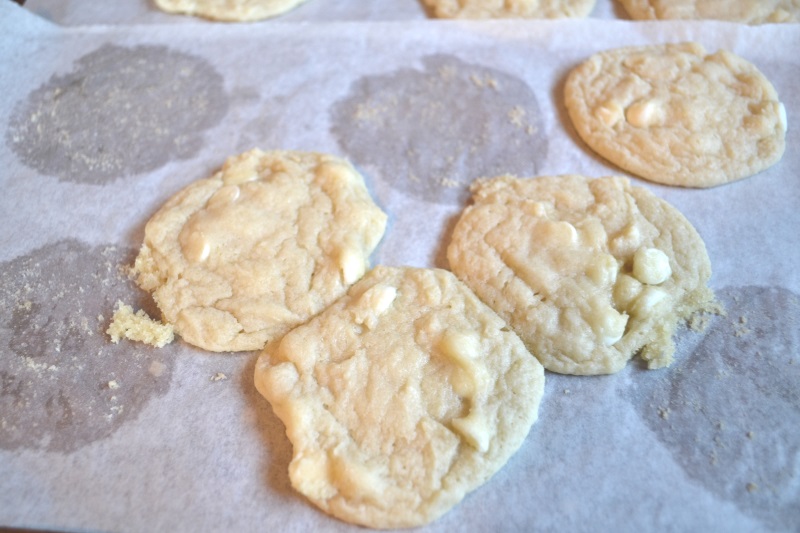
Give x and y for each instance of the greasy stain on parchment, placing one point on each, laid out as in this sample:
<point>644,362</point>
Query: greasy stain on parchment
<point>121,111</point>
<point>431,132</point>
<point>730,412</point>
<point>62,383</point>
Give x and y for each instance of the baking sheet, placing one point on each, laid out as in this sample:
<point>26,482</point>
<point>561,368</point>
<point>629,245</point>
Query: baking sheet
<point>104,121</point>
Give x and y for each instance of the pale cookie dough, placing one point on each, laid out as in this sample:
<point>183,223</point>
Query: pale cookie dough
<point>229,10</point>
<point>400,398</point>
<point>587,272</point>
<point>267,242</point>
<point>138,327</point>
<point>745,11</point>
<point>676,115</point>
<point>486,9</point>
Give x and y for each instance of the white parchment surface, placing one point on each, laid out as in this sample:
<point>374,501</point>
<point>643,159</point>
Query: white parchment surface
<point>103,118</point>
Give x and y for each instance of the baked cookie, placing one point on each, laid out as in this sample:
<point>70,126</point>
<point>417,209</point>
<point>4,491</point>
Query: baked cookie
<point>487,9</point>
<point>745,11</point>
<point>586,272</point>
<point>400,398</point>
<point>676,115</point>
<point>229,10</point>
<point>267,242</point>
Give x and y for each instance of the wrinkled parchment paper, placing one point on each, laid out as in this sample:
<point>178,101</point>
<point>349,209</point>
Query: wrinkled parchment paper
<point>107,112</point>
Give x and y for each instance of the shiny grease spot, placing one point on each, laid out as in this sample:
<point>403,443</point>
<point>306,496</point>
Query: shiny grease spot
<point>62,383</point>
<point>730,412</point>
<point>431,132</point>
<point>120,112</point>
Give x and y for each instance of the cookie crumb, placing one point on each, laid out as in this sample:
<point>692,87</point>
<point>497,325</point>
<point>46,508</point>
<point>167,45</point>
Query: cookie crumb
<point>113,384</point>
<point>219,376</point>
<point>750,435</point>
<point>752,487</point>
<point>138,327</point>
<point>664,412</point>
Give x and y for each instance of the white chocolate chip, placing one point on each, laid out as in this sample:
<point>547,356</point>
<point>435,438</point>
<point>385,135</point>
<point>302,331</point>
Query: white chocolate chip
<point>609,113</point>
<point>240,169</point>
<point>627,240</point>
<point>603,270</point>
<point>334,172</point>
<point>782,116</point>
<point>195,247</point>
<point>647,301</point>
<point>645,113</point>
<point>536,209</point>
<point>626,289</point>
<point>357,481</point>
<point>557,233</point>
<point>224,196</point>
<point>473,429</point>
<point>608,324</point>
<point>463,349</point>
<point>352,265</point>
<point>651,266</point>
<point>460,347</point>
<point>310,473</point>
<point>373,303</point>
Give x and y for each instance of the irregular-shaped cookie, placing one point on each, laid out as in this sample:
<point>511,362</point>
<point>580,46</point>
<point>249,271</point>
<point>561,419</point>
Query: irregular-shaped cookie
<point>587,272</point>
<point>485,9</point>
<point>267,242</point>
<point>229,10</point>
<point>676,115</point>
<point>400,398</point>
<point>746,11</point>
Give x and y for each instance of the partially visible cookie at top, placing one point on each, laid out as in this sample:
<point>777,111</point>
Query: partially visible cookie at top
<point>676,115</point>
<point>588,272</point>
<point>487,9</point>
<point>745,11</point>
<point>263,245</point>
<point>229,10</point>
<point>400,398</point>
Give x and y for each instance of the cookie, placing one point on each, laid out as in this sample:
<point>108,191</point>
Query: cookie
<point>486,9</point>
<point>587,272</point>
<point>263,245</point>
<point>229,10</point>
<point>745,11</point>
<point>674,114</point>
<point>400,398</point>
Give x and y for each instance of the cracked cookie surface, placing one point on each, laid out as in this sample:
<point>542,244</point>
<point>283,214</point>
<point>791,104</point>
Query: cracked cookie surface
<point>676,115</point>
<point>486,9</point>
<point>400,398</point>
<point>267,242</point>
<point>587,272</point>
<point>746,11</point>
<point>229,10</point>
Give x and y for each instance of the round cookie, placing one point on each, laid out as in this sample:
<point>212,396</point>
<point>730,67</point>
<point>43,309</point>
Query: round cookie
<point>745,11</point>
<point>229,10</point>
<point>400,398</point>
<point>674,114</point>
<point>267,242</point>
<point>587,272</point>
<point>486,9</point>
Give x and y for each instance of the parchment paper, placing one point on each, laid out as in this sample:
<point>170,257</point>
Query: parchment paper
<point>103,120</point>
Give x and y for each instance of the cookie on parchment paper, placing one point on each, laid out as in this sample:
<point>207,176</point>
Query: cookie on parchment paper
<point>487,9</point>
<point>229,10</point>
<point>267,242</point>
<point>676,115</point>
<point>745,11</point>
<point>400,398</point>
<point>587,272</point>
